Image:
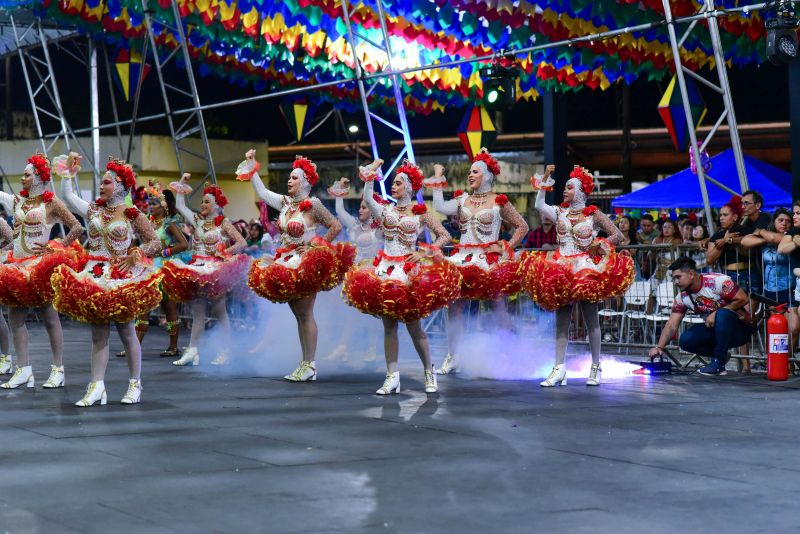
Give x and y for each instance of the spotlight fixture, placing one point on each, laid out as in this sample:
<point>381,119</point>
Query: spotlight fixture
<point>500,82</point>
<point>782,46</point>
<point>353,128</point>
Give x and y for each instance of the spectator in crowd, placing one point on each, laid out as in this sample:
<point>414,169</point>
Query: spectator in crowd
<point>723,247</point>
<point>255,233</point>
<point>542,237</point>
<point>647,230</point>
<point>242,227</point>
<point>451,225</point>
<point>627,226</point>
<point>725,307</point>
<point>700,239</point>
<point>790,245</point>
<point>753,219</point>
<point>663,258</point>
<point>686,227</point>
<point>267,217</point>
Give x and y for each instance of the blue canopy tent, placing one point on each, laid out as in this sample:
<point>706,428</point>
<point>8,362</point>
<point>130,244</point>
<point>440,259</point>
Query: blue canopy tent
<point>682,190</point>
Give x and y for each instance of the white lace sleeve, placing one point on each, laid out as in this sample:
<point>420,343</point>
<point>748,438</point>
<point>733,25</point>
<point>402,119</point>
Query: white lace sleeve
<point>449,207</point>
<point>348,221</point>
<point>273,200</point>
<point>545,210</point>
<point>183,209</point>
<point>74,202</point>
<point>374,208</point>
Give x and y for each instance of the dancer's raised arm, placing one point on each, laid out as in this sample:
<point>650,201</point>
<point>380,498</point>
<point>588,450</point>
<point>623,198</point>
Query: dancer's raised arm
<point>369,174</point>
<point>273,200</point>
<point>436,183</point>
<point>544,184</point>
<point>181,189</point>
<point>338,191</point>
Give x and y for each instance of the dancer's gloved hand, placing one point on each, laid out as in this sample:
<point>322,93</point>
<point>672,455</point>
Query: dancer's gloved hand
<point>340,188</point>
<point>545,182</point>
<point>369,172</point>
<point>415,257</point>
<point>182,187</point>
<point>438,180</point>
<point>131,260</point>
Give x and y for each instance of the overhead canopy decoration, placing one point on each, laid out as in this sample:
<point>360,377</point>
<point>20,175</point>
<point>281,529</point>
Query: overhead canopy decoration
<point>289,43</point>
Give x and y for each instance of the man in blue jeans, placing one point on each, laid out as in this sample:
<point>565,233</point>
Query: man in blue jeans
<point>725,308</point>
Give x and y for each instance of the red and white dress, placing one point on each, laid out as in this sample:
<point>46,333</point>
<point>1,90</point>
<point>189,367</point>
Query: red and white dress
<point>25,274</point>
<point>392,287</point>
<point>101,292</point>
<point>214,269</point>
<point>570,274</point>
<point>484,275</point>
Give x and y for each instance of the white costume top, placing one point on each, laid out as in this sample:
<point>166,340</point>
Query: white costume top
<point>367,237</point>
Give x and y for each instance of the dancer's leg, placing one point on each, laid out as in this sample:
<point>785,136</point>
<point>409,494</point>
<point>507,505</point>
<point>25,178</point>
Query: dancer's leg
<point>52,323</point>
<point>563,319</point>
<point>198,322</point>
<point>19,330</point>
<point>592,321</point>
<point>303,311</point>
<point>99,350</point>
<point>420,340</point>
<point>390,344</point>
<point>455,325</point>
<point>173,325</point>
<point>220,310</point>
<point>5,338</point>
<point>133,350</point>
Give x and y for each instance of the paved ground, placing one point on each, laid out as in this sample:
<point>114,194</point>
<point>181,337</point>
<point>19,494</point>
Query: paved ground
<point>211,453</point>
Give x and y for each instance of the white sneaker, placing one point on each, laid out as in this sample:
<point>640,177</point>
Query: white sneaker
<point>190,356</point>
<point>23,375</point>
<point>221,359</point>
<point>95,391</point>
<point>430,381</point>
<point>392,382</point>
<point>557,376</point>
<point>56,378</point>
<point>449,366</point>
<point>5,364</point>
<point>594,375</point>
<point>134,393</point>
<point>306,371</point>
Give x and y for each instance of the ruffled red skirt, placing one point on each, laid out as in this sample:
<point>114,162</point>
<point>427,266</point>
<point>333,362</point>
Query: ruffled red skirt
<point>395,289</point>
<point>553,280</point>
<point>291,276</point>
<point>486,276</point>
<point>25,282</point>
<point>203,277</point>
<point>100,293</point>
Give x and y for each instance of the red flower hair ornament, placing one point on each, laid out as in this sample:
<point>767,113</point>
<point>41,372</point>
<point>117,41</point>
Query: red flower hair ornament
<point>414,174</point>
<point>587,180</point>
<point>41,166</point>
<point>123,172</point>
<point>487,159</point>
<point>216,192</point>
<point>308,167</point>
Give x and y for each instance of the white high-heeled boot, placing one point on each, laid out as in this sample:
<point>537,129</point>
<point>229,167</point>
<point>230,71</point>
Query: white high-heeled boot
<point>557,376</point>
<point>594,375</point>
<point>391,383</point>
<point>95,391</point>
<point>306,371</point>
<point>23,375</point>
<point>221,359</point>
<point>56,378</point>
<point>5,364</point>
<point>449,365</point>
<point>190,356</point>
<point>134,393</point>
<point>431,386</point>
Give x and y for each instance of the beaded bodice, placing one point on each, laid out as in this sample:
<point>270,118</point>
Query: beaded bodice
<point>367,239</point>
<point>206,236</point>
<point>400,231</point>
<point>482,226</point>
<point>574,235</point>
<point>108,237</point>
<point>295,227</point>
<point>30,228</point>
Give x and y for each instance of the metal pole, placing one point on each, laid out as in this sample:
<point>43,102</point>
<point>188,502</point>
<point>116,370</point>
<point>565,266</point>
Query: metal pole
<point>688,113</point>
<point>94,95</point>
<point>135,112</point>
<point>9,109</point>
<point>719,59</point>
<point>112,97</point>
<point>27,77</point>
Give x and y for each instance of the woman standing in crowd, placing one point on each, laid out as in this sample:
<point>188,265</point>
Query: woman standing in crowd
<point>216,265</point>
<point>790,245</point>
<point>584,269</point>
<point>627,225</point>
<point>26,271</point>
<point>488,266</point>
<point>663,258</point>
<point>407,281</point>
<point>118,283</point>
<point>305,264</point>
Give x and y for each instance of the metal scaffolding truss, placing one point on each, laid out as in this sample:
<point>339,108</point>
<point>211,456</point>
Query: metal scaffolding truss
<point>174,93</point>
<point>722,88</point>
<point>48,114</point>
<point>367,87</point>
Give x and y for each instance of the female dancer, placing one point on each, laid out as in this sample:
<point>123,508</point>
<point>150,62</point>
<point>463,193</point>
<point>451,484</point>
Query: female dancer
<point>304,265</point>
<point>6,238</point>
<point>25,275</point>
<point>487,266</point>
<point>166,223</point>
<point>584,269</point>
<point>404,283</point>
<point>364,232</point>
<point>213,270</point>
<point>119,282</point>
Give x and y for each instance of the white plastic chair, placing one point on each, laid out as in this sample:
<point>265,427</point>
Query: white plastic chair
<point>636,298</point>
<point>665,296</point>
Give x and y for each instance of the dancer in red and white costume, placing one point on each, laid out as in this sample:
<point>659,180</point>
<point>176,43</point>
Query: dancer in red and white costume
<point>405,283</point>
<point>584,269</point>
<point>487,265</point>
<point>215,267</point>
<point>304,264</point>
<point>26,271</point>
<point>118,283</point>
<point>364,232</point>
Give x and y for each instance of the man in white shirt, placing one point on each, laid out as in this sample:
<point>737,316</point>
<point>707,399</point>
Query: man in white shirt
<point>725,307</point>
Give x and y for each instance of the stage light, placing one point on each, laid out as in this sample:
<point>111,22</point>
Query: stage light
<point>353,128</point>
<point>782,46</point>
<point>500,83</point>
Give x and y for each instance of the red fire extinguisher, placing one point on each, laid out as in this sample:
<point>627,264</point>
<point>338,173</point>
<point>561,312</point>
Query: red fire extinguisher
<point>778,346</point>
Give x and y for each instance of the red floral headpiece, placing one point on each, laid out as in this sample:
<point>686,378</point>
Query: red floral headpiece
<point>587,180</point>
<point>490,162</point>
<point>42,166</point>
<point>124,172</point>
<point>216,192</point>
<point>308,167</point>
<point>414,174</point>
<point>379,199</point>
